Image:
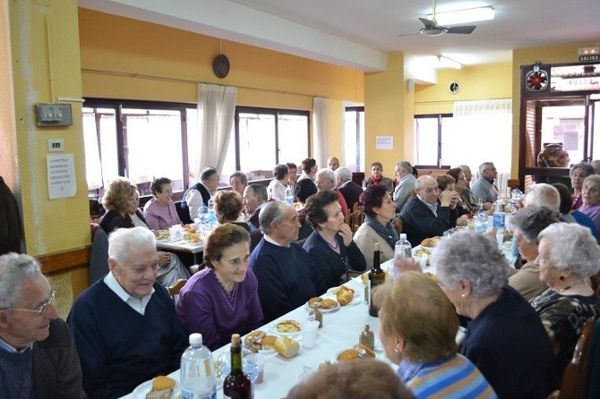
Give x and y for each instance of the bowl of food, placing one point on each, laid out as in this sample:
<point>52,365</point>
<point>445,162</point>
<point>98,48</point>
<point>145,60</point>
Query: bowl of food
<point>358,351</point>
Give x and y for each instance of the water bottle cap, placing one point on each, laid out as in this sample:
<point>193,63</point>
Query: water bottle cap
<point>195,339</point>
<point>403,236</point>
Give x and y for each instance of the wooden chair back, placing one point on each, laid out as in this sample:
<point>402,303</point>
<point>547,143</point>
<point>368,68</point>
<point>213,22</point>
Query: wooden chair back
<point>176,287</point>
<point>354,219</point>
<point>575,378</point>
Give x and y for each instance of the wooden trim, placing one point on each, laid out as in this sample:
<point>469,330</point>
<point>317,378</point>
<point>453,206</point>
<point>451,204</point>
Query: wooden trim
<point>61,261</point>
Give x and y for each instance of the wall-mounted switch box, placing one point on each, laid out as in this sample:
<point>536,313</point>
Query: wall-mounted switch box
<point>53,115</point>
<point>56,145</point>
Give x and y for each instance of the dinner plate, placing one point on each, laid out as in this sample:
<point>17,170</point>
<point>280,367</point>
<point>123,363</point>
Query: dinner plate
<point>333,290</point>
<point>274,330</point>
<point>144,388</point>
<point>322,310</point>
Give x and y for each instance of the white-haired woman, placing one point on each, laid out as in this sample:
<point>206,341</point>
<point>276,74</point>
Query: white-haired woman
<point>568,256</point>
<point>578,173</point>
<point>505,336</point>
<point>591,199</point>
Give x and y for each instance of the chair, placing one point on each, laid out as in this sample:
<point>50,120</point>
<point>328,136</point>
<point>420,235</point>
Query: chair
<point>594,370</point>
<point>99,256</point>
<point>575,378</point>
<point>176,287</point>
<point>354,219</point>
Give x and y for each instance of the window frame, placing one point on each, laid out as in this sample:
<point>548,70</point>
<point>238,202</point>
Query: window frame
<point>357,110</point>
<point>439,118</point>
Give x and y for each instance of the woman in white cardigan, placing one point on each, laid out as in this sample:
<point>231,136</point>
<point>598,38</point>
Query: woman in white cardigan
<point>380,211</point>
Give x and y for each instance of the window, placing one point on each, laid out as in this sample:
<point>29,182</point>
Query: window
<point>354,138</point>
<point>429,133</point>
<point>265,137</point>
<point>140,141</point>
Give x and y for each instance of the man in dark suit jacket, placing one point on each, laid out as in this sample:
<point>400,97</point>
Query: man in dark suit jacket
<point>255,198</point>
<point>430,213</point>
<point>350,190</point>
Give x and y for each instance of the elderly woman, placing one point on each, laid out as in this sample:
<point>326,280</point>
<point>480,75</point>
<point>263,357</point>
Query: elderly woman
<point>238,182</point>
<point>228,207</point>
<point>570,215</point>
<point>330,244</point>
<point>160,211</point>
<point>377,177</point>
<point>222,299</point>
<point>467,202</point>
<point>380,211</point>
<point>121,200</point>
<point>448,183</point>
<point>276,187</point>
<point>528,223</point>
<point>505,338</point>
<point>578,174</point>
<point>417,327</point>
<point>568,256</point>
<point>590,194</point>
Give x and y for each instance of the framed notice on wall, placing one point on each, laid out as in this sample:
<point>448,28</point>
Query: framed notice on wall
<point>384,142</point>
<point>61,176</point>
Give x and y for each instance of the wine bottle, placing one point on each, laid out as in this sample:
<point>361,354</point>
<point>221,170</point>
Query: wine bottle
<point>376,277</point>
<point>237,385</point>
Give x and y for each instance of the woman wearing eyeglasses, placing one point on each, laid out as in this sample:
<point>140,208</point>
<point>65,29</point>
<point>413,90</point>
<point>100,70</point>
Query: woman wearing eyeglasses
<point>222,299</point>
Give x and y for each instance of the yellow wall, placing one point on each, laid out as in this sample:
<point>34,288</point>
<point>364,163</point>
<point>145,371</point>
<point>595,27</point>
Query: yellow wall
<point>477,83</point>
<point>384,113</point>
<point>528,56</point>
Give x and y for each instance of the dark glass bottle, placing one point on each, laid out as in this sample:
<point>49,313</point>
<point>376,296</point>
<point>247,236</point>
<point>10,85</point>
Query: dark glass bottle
<point>376,277</point>
<point>237,384</point>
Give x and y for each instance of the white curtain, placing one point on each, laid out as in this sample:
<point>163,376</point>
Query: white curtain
<point>320,126</point>
<point>216,111</point>
<point>480,131</point>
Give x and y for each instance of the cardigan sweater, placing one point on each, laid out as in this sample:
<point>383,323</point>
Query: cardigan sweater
<point>118,347</point>
<point>420,223</point>
<point>331,265</point>
<point>508,344</point>
<point>159,216</point>
<point>287,277</point>
<point>365,239</point>
<point>205,308</point>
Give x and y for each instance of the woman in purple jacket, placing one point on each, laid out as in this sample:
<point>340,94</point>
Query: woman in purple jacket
<point>222,299</point>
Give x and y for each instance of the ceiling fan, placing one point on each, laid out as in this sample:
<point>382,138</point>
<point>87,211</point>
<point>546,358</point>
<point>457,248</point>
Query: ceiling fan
<point>431,28</point>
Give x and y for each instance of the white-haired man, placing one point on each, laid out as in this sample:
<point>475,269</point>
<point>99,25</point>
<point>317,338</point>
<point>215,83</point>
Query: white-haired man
<point>350,190</point>
<point>406,184</point>
<point>286,274</point>
<point>199,193</point>
<point>484,188</point>
<point>37,354</point>
<point>325,180</point>
<point>125,326</point>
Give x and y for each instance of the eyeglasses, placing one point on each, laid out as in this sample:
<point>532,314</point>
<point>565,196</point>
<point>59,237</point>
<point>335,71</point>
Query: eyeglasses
<point>41,309</point>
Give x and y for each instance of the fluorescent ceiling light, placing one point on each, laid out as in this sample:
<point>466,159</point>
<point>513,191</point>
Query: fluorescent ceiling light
<point>445,62</point>
<point>463,16</point>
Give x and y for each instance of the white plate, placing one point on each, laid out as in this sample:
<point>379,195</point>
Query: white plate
<point>333,290</point>
<point>273,329</point>
<point>326,310</point>
<point>141,390</point>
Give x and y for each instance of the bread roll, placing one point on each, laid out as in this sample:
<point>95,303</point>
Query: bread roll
<point>348,354</point>
<point>161,382</point>
<point>344,295</point>
<point>328,303</point>
<point>268,342</point>
<point>286,347</point>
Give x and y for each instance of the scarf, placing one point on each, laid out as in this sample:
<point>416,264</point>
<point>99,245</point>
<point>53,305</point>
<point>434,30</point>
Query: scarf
<point>387,232</point>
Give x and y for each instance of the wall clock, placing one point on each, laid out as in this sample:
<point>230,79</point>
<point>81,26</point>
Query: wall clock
<point>221,66</point>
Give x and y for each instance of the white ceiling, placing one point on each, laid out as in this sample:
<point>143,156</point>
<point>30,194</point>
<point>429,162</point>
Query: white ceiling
<point>359,33</point>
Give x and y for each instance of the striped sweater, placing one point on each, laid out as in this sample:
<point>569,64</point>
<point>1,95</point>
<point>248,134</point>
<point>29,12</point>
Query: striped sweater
<point>452,378</point>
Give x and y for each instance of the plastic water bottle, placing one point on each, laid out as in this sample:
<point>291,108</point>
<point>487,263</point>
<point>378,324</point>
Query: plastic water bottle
<point>289,195</point>
<point>198,378</point>
<point>402,250</point>
<point>203,217</point>
<point>499,216</point>
<point>480,220</point>
<point>212,215</point>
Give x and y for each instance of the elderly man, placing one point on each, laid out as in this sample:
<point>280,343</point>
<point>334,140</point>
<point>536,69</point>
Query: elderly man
<point>423,216</point>
<point>325,180</point>
<point>333,163</point>
<point>125,326</point>
<point>286,274</point>
<point>484,188</point>
<point>406,184</point>
<point>238,182</point>
<point>37,353</point>
<point>200,193</point>
<point>350,190</point>
<point>255,198</point>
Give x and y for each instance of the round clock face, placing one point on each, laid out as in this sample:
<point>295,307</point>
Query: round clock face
<point>454,87</point>
<point>221,66</point>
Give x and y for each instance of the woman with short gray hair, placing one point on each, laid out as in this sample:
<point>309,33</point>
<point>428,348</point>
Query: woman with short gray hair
<point>590,191</point>
<point>578,174</point>
<point>505,336</point>
<point>528,223</point>
<point>568,256</point>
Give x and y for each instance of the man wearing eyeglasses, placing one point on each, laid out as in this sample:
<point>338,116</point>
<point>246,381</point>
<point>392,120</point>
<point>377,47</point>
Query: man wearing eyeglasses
<point>37,353</point>
<point>484,188</point>
<point>125,326</point>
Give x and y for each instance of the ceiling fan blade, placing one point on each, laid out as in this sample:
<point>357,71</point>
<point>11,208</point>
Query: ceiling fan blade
<point>428,23</point>
<point>408,34</point>
<point>462,29</point>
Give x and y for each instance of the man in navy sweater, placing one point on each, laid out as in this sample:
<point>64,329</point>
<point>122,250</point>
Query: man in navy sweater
<point>125,327</point>
<point>286,274</point>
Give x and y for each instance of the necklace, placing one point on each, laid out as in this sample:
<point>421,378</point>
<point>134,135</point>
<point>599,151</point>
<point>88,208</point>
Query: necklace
<point>335,246</point>
<point>228,296</point>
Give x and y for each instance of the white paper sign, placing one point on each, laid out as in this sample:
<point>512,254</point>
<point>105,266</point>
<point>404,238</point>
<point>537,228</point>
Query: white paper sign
<point>384,142</point>
<point>61,176</point>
